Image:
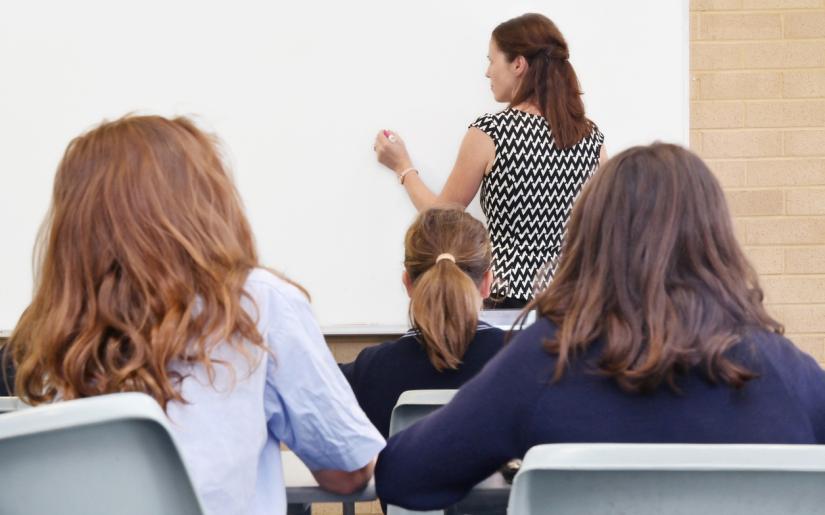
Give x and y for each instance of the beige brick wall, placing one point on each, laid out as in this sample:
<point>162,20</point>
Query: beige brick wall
<point>758,118</point>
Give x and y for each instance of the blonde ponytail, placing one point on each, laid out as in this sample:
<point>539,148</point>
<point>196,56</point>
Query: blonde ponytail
<point>445,300</point>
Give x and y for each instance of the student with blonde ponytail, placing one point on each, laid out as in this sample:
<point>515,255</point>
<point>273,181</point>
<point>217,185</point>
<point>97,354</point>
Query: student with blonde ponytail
<point>447,274</point>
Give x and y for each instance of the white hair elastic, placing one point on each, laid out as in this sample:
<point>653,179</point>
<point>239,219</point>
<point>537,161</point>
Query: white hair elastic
<point>446,255</point>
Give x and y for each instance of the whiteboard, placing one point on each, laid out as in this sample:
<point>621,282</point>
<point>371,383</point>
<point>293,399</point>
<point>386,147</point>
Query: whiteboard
<point>297,92</point>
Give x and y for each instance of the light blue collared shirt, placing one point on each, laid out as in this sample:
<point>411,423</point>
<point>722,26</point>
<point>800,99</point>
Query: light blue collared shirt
<point>230,433</point>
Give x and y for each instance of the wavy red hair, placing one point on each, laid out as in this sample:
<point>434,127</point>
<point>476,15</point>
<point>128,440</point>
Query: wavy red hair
<point>143,260</point>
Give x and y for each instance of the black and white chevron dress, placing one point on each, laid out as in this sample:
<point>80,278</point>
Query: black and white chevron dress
<point>528,194</point>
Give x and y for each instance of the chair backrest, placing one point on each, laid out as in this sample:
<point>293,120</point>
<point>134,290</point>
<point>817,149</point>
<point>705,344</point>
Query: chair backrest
<point>95,456</point>
<point>413,405</point>
<point>416,404</point>
<point>665,478</point>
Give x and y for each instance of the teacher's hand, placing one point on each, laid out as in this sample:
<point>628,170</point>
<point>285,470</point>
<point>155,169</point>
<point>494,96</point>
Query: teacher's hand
<point>391,151</point>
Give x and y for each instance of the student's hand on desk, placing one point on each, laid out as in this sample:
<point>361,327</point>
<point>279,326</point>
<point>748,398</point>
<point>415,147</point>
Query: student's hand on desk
<point>391,151</point>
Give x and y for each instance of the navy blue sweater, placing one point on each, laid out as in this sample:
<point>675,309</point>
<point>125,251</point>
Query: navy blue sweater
<point>380,374</point>
<point>512,405</point>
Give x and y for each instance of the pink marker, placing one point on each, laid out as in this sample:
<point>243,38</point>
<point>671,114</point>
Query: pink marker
<point>389,135</point>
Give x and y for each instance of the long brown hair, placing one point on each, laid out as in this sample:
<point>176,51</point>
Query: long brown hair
<point>143,259</point>
<point>651,267</point>
<point>550,80</point>
<point>445,298</point>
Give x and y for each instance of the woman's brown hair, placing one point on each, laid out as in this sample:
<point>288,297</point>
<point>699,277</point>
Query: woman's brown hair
<point>143,260</point>
<point>550,80</point>
<point>651,267</point>
<point>445,298</point>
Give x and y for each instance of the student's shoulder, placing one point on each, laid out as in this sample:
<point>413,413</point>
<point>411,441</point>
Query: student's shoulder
<point>275,300</point>
<point>489,334</point>
<point>263,283</point>
<point>392,349</point>
<point>382,357</point>
<point>528,345</point>
<point>769,347</point>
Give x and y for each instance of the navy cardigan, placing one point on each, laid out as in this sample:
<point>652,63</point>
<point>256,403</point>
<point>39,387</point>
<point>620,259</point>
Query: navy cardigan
<point>513,405</point>
<point>380,374</point>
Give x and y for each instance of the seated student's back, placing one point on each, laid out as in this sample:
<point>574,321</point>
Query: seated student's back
<point>447,274</point>
<point>150,282</point>
<point>653,330</point>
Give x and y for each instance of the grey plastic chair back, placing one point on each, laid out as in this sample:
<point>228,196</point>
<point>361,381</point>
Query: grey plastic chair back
<point>112,454</point>
<point>413,405</point>
<point>647,479</point>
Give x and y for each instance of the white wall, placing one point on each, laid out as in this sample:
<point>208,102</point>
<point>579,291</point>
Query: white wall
<point>297,90</point>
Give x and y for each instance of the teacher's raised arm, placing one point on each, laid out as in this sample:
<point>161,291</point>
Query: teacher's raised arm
<point>530,160</point>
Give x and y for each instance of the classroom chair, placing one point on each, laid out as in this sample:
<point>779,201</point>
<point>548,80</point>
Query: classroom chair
<point>97,456</point>
<point>416,404</point>
<point>647,479</point>
<point>413,405</point>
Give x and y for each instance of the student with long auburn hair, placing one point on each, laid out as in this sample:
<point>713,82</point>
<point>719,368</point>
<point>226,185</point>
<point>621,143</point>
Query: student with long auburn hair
<point>529,160</point>
<point>447,274</point>
<point>149,282</point>
<point>653,330</point>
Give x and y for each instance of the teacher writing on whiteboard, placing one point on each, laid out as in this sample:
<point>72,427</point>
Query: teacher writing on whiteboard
<point>530,160</point>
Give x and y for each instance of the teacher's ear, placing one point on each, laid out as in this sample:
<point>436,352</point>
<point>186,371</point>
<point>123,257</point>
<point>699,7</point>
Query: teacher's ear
<point>486,284</point>
<point>519,66</point>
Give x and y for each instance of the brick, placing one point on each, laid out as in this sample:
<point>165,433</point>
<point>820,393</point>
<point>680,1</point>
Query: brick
<point>809,201</point>
<point>786,172</point>
<point>810,24</point>
<point>717,115</point>
<point>805,142</point>
<point>790,289</point>
<point>800,318</point>
<point>716,56</point>
<point>730,174</point>
<point>766,260</point>
<point>694,26</point>
<point>756,202</point>
<point>740,229</point>
<point>813,344</point>
<point>777,54</point>
<point>696,141</point>
<point>785,231</point>
<point>741,143</point>
<point>805,54</point>
<point>739,85</point>
<point>785,113</point>
<point>803,84</point>
<point>781,4</point>
<point>736,26</point>
<point>715,5</point>
<point>805,260</point>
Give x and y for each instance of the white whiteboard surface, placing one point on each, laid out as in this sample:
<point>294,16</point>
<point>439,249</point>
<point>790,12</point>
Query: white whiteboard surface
<point>297,91</point>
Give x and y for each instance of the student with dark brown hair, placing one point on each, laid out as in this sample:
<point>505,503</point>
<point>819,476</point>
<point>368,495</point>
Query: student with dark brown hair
<point>530,160</point>
<point>447,273</point>
<point>653,330</point>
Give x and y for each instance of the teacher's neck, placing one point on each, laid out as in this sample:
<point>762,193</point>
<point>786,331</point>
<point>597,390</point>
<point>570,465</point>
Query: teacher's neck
<point>527,107</point>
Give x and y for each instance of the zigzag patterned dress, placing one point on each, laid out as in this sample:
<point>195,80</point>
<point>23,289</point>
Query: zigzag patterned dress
<point>527,196</point>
